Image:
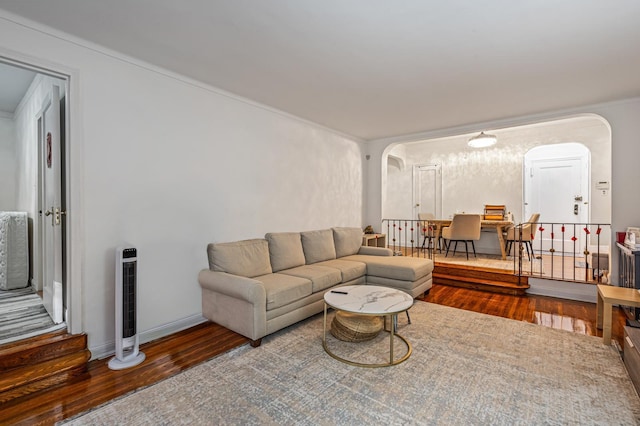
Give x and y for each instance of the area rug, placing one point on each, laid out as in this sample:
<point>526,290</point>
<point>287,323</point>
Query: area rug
<point>466,369</point>
<point>22,315</point>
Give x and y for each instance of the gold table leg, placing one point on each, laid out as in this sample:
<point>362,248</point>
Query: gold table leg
<point>360,364</point>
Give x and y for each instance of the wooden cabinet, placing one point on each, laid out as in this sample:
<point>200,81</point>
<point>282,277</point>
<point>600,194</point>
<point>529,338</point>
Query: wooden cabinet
<point>632,354</point>
<point>629,273</point>
<point>374,240</point>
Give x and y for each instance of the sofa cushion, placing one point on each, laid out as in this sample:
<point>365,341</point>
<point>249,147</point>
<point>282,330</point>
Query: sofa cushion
<point>396,267</point>
<point>347,241</point>
<point>350,270</point>
<point>322,277</point>
<point>283,289</point>
<point>247,258</point>
<point>285,250</point>
<point>318,245</point>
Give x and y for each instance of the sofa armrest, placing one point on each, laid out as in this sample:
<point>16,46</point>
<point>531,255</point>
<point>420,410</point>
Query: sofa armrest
<point>235,286</point>
<point>375,251</point>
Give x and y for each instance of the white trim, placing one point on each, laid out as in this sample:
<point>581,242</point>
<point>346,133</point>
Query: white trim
<point>563,290</point>
<point>109,348</point>
<point>43,29</point>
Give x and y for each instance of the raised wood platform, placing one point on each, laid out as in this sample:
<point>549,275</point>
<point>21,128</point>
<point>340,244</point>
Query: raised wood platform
<point>480,278</point>
<point>40,362</point>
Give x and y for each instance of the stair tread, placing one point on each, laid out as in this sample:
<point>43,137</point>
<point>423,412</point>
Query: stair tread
<point>34,352</point>
<point>24,375</point>
<point>33,341</point>
<point>472,268</point>
<point>479,280</point>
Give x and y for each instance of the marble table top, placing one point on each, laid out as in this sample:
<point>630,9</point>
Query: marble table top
<point>368,299</point>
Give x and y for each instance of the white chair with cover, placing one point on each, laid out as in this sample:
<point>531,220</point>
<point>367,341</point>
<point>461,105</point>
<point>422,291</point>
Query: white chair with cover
<point>528,233</point>
<point>465,228</point>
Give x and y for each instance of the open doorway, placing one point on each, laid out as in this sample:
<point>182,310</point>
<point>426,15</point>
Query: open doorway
<point>32,137</point>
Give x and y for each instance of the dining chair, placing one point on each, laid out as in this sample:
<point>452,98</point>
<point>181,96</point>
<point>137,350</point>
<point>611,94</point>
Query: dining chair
<point>427,230</point>
<point>528,234</point>
<point>465,228</point>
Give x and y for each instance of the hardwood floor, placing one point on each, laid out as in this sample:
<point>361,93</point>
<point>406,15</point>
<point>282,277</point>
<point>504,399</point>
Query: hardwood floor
<point>168,356</point>
<point>569,315</point>
<point>164,358</point>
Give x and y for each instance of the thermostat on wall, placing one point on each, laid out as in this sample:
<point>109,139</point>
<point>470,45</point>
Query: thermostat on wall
<point>603,184</point>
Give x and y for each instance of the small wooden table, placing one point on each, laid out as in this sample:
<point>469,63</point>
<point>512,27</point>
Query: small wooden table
<point>374,240</point>
<point>607,296</point>
<point>498,225</point>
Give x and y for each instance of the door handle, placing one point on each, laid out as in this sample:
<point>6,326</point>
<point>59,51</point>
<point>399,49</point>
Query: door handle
<point>51,212</point>
<point>57,213</point>
<point>575,209</point>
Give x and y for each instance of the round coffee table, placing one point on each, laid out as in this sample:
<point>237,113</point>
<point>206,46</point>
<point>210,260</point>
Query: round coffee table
<point>370,300</point>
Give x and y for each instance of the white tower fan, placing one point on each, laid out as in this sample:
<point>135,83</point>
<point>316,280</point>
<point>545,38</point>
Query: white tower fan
<point>127,344</point>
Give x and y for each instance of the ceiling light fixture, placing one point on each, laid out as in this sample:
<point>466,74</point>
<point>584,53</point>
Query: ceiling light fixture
<point>482,140</point>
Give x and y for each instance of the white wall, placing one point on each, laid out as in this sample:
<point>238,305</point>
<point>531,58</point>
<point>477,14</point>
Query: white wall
<point>169,166</point>
<point>473,177</point>
<point>7,165</point>
<point>622,117</point>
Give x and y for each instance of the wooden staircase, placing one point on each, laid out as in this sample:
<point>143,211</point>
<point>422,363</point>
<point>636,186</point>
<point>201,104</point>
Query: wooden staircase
<point>486,279</point>
<point>31,365</point>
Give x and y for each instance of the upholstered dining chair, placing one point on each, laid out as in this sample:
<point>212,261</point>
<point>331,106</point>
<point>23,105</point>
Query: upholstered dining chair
<point>427,230</point>
<point>528,233</point>
<point>465,228</point>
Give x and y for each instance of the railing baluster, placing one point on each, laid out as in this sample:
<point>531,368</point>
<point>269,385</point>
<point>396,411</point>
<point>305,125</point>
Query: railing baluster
<point>407,237</point>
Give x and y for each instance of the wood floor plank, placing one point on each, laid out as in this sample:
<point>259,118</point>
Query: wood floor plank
<point>173,354</point>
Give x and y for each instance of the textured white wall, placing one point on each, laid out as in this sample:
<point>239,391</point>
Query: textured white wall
<point>170,166</point>
<point>7,165</point>
<point>622,117</point>
<point>472,177</point>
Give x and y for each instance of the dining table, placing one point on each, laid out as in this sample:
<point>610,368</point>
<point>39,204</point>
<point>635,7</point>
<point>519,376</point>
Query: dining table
<point>498,225</point>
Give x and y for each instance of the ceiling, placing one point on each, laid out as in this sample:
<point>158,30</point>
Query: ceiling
<point>376,68</point>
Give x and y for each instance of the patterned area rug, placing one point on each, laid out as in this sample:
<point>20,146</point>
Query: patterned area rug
<point>466,369</point>
<point>22,315</point>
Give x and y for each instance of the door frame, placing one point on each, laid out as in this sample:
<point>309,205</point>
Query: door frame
<point>73,180</point>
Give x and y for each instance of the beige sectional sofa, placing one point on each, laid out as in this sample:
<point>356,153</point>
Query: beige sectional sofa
<point>256,287</point>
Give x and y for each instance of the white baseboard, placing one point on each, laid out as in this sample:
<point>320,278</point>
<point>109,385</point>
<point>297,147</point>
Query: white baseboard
<point>563,290</point>
<point>109,348</point>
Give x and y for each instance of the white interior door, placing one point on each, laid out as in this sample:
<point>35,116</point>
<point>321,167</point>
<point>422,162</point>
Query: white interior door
<point>51,206</point>
<point>427,183</point>
<point>558,190</point>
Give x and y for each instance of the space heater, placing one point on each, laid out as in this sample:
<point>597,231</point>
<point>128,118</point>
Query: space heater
<point>127,344</point>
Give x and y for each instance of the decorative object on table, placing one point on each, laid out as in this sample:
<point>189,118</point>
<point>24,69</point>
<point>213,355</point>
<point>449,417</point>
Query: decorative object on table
<point>369,230</point>
<point>494,211</point>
